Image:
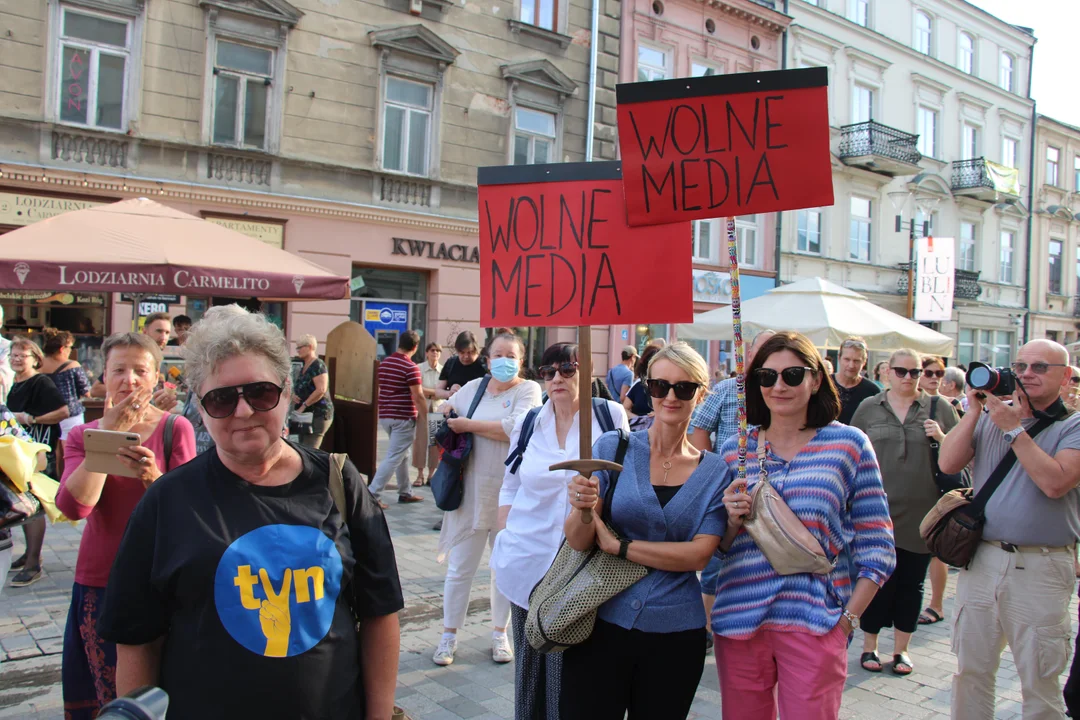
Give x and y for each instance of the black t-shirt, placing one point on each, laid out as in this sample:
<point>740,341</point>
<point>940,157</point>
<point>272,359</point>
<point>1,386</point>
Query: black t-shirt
<point>455,372</point>
<point>851,398</point>
<point>207,559</point>
<point>36,396</point>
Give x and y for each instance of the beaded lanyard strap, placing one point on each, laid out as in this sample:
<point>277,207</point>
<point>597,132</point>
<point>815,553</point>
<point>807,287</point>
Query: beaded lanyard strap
<point>736,321</point>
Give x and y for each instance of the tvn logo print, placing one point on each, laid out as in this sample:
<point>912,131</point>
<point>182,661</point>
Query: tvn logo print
<point>276,589</point>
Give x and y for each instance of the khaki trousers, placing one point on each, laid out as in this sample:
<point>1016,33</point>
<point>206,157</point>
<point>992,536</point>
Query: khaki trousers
<point>1026,607</point>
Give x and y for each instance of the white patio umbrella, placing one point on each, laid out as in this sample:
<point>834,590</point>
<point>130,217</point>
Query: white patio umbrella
<point>824,312</point>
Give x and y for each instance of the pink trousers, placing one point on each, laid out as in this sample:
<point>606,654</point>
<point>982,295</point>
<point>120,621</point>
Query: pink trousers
<point>800,674</point>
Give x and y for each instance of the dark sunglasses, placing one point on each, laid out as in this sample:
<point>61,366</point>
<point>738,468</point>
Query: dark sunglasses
<point>905,372</point>
<point>1075,380</point>
<point>684,390</point>
<point>933,373</point>
<point>793,376</point>
<point>221,402</point>
<point>566,369</point>
<point>1039,368</point>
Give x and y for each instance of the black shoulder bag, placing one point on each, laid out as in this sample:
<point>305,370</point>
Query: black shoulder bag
<point>953,529</point>
<point>946,482</point>
<point>448,480</point>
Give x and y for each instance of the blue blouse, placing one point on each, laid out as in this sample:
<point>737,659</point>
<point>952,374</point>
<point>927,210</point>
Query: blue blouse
<point>661,602</point>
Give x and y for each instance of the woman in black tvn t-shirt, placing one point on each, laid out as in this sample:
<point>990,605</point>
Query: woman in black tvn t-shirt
<point>239,588</point>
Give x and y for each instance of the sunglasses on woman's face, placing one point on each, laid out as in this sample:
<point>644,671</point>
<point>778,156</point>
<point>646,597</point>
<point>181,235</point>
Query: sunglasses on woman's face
<point>1075,380</point>
<point>933,373</point>
<point>906,372</point>
<point>793,376</point>
<point>221,402</point>
<point>684,390</point>
<point>566,369</point>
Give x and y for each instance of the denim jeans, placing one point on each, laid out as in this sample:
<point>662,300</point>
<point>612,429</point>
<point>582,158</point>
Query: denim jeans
<point>402,434</point>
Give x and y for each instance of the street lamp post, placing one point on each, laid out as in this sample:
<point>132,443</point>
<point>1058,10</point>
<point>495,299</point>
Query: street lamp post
<point>926,205</point>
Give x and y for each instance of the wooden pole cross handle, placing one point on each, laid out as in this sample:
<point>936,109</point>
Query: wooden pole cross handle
<point>587,468</point>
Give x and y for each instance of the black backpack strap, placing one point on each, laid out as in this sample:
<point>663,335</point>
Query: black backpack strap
<point>170,421</point>
<point>479,395</point>
<point>613,475</point>
<point>603,414</point>
<point>978,505</point>
<point>528,425</point>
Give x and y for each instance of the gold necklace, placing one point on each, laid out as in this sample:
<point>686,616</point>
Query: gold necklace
<point>666,464</point>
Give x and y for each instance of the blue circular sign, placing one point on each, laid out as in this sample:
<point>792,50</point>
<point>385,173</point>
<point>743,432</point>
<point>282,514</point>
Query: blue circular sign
<point>276,589</point>
<point>386,316</point>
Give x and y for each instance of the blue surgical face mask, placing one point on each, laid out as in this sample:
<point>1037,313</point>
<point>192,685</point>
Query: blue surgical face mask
<point>504,369</point>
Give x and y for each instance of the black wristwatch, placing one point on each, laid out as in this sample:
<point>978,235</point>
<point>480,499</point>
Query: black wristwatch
<point>624,544</point>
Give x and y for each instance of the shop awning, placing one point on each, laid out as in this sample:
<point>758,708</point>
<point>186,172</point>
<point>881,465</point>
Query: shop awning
<point>140,246</point>
<point>824,312</point>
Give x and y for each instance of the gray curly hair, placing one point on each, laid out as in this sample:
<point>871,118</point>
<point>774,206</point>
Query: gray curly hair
<point>228,331</point>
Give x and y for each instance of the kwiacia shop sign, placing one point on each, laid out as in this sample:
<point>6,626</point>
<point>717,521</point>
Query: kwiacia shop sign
<point>436,251</point>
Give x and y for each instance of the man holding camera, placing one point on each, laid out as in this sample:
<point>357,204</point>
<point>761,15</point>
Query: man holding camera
<point>1019,584</point>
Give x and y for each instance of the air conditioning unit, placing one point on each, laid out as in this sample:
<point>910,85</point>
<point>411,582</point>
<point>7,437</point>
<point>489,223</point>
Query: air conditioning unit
<point>416,6</point>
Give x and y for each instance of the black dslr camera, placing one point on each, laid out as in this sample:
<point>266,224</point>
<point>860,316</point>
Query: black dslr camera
<point>997,381</point>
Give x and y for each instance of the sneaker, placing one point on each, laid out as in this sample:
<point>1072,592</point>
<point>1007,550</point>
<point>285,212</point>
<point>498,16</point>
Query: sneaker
<point>501,652</point>
<point>410,498</point>
<point>26,576</point>
<point>19,563</point>
<point>437,526</point>
<point>444,654</point>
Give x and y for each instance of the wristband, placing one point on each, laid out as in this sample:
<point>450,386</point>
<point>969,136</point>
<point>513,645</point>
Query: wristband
<point>624,545</point>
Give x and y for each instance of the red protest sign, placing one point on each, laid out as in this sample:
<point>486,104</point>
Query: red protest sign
<point>725,145</point>
<point>555,249</point>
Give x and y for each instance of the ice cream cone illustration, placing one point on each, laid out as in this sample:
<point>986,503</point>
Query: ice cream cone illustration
<point>21,271</point>
<point>298,283</point>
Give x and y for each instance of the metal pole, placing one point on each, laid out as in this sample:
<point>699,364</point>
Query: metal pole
<point>594,40</point>
<point>911,271</point>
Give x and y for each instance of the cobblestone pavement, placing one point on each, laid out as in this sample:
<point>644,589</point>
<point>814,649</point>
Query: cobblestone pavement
<point>32,623</point>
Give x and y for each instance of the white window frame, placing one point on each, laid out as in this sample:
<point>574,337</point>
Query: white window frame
<point>666,72</point>
<point>701,68</point>
<point>802,247</point>
<point>859,10</point>
<point>1060,290</point>
<point>861,220</point>
<point>966,251</point>
<point>748,234</point>
<point>966,60</point>
<point>927,144</point>
<point>919,35</point>
<point>1076,173</point>
<point>970,141</point>
<point>243,30</point>
<point>242,78</point>
<point>405,138</point>
<point>1007,257</point>
<point>1010,146</point>
<point>557,11</point>
<point>136,21</point>
<point>1007,71</point>
<point>857,105</point>
<point>712,226</point>
<point>1053,166</point>
<point>533,136</point>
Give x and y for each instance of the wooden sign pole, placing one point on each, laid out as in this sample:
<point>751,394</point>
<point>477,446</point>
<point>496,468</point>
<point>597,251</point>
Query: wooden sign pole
<point>585,465</point>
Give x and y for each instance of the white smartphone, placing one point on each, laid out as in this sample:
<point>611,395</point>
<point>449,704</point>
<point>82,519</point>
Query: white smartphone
<point>101,447</point>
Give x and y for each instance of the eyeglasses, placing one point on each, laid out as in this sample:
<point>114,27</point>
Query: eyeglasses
<point>793,376</point>
<point>684,390</point>
<point>221,402</point>
<point>906,372</point>
<point>1039,368</point>
<point>1075,380</point>
<point>933,373</point>
<point>566,369</point>
<point>853,344</point>
<point>22,356</point>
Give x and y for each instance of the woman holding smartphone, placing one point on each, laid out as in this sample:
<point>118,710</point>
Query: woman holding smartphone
<point>106,502</point>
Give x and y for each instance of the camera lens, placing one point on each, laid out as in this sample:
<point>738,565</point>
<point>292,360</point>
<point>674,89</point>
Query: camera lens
<point>981,378</point>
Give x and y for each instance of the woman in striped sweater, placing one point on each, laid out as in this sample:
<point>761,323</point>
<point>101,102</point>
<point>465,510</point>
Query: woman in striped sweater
<point>782,639</point>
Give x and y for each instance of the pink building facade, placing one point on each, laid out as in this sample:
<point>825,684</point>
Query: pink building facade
<point>663,39</point>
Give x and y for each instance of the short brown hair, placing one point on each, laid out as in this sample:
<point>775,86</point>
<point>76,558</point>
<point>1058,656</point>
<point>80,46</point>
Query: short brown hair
<point>824,406</point>
<point>21,341</point>
<point>408,341</point>
<point>154,317</point>
<point>929,360</point>
<point>132,340</point>
<point>433,346</point>
<point>55,340</point>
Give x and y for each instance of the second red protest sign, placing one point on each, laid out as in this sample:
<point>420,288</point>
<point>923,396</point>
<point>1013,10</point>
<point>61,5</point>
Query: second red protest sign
<point>725,145</point>
<point>555,249</point>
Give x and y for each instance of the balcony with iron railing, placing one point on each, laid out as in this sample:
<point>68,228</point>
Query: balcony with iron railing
<point>971,178</point>
<point>879,148</point>
<point>965,283</point>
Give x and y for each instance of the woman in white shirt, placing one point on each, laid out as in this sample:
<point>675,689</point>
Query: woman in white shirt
<point>473,525</point>
<point>533,506</point>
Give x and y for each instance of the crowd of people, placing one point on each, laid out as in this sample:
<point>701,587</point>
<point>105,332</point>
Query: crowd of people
<point>217,546</point>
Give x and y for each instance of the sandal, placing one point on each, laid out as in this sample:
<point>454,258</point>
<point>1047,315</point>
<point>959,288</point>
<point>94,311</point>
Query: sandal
<point>930,616</point>
<point>902,664</point>
<point>418,482</point>
<point>870,657</point>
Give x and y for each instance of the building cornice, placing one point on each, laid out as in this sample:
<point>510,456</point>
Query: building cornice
<point>865,57</point>
<point>976,102</point>
<point>752,13</point>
